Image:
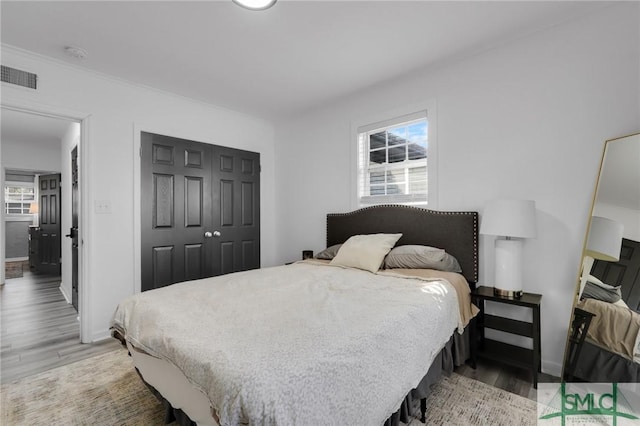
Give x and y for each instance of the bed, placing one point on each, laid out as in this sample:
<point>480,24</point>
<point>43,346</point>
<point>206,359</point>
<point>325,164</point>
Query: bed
<point>311,342</point>
<point>610,351</point>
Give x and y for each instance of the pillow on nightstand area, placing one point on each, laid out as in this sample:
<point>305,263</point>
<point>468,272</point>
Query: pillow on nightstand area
<point>329,253</point>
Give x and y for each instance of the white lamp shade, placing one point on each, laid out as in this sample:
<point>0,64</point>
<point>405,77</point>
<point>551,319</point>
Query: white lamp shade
<point>509,218</point>
<point>605,239</point>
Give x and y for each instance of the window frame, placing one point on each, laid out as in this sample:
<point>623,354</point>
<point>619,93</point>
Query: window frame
<point>12,184</point>
<point>389,119</point>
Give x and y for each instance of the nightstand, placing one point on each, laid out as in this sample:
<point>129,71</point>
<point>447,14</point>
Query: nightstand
<point>503,352</point>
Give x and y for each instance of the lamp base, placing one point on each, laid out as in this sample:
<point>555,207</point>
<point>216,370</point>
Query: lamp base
<point>511,294</point>
<point>508,282</point>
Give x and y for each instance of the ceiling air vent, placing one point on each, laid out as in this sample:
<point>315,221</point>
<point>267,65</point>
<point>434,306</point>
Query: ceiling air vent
<point>19,77</point>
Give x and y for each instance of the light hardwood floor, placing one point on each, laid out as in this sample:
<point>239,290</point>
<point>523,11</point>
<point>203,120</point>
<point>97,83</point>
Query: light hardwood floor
<point>39,329</point>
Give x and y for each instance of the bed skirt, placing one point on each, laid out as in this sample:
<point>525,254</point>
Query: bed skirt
<point>455,352</point>
<point>597,365</point>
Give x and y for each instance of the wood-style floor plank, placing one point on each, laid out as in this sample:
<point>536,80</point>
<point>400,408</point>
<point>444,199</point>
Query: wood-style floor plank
<point>39,329</point>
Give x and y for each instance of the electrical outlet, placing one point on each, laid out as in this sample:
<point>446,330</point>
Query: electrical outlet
<point>102,206</point>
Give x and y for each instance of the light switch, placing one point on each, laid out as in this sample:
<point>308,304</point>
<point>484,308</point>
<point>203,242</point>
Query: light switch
<point>102,206</point>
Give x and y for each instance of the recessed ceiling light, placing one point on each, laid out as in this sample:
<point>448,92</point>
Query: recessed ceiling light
<point>76,52</point>
<point>255,4</point>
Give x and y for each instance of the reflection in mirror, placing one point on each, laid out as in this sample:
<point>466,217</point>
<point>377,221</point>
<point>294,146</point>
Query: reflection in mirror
<point>604,338</point>
<point>603,243</point>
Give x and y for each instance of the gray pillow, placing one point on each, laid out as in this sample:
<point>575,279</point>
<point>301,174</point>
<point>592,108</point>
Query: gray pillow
<point>595,291</point>
<point>329,253</point>
<point>421,257</point>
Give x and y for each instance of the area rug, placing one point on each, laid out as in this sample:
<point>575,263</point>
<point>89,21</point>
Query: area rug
<point>460,401</point>
<point>101,390</point>
<point>106,390</point>
<point>15,269</point>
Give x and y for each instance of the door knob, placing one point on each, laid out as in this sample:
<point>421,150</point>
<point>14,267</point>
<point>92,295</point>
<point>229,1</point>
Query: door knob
<point>208,234</point>
<point>216,234</point>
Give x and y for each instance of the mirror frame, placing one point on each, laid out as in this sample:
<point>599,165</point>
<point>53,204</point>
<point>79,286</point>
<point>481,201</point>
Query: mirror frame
<point>584,247</point>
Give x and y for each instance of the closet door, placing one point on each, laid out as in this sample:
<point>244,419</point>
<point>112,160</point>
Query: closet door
<point>192,204</point>
<point>236,210</point>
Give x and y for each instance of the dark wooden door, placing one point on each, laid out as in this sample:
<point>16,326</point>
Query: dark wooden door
<point>236,212</point>
<point>49,245</point>
<point>625,272</point>
<point>195,221</point>
<point>73,232</point>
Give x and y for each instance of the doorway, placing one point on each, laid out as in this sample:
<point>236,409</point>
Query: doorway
<point>42,140</point>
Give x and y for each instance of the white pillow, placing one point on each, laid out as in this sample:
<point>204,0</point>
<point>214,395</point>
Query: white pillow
<point>365,251</point>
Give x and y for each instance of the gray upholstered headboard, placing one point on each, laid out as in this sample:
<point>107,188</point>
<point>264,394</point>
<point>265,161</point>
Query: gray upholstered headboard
<point>455,232</point>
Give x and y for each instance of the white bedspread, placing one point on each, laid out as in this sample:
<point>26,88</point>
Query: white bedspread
<point>300,344</point>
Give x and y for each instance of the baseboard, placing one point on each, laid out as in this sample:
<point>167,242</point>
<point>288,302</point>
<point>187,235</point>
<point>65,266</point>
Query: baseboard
<point>101,335</point>
<point>552,368</point>
<point>64,294</point>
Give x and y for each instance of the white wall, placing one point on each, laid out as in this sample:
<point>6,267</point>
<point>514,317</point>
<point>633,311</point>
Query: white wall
<point>527,119</point>
<point>70,139</point>
<point>114,109</point>
<point>28,155</point>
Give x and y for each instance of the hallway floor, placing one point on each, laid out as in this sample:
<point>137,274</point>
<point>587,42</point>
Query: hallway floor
<point>39,329</point>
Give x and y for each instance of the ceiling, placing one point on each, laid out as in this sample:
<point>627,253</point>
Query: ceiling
<point>273,64</point>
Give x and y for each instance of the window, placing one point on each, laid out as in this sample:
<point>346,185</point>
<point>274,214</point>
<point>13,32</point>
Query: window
<point>392,161</point>
<point>18,198</point>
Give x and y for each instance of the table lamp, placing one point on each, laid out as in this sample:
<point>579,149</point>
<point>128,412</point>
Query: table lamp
<point>34,210</point>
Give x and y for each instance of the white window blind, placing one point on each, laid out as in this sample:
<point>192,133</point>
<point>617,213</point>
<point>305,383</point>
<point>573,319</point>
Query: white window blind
<point>392,161</point>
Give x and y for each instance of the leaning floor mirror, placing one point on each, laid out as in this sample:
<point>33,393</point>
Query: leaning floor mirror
<point>604,335</point>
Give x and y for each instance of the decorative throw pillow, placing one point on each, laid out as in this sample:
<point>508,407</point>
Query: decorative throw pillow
<point>365,251</point>
<point>329,253</point>
<point>421,257</point>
